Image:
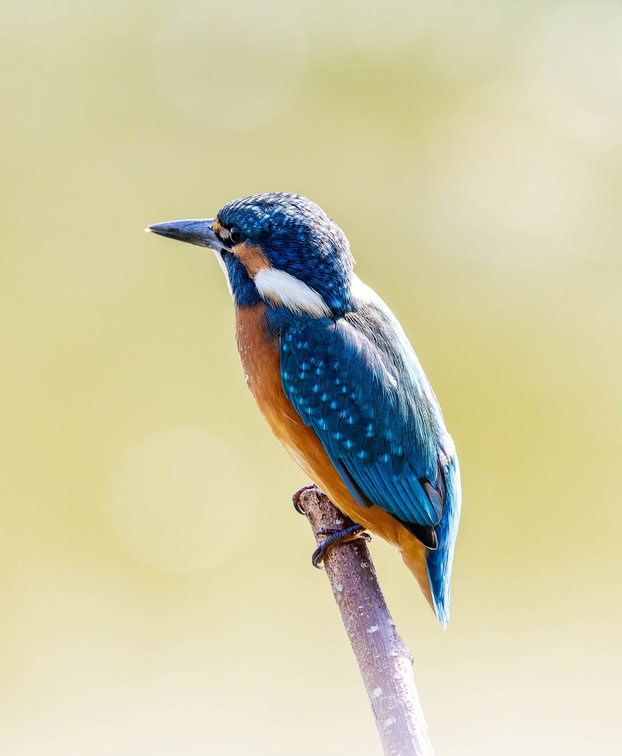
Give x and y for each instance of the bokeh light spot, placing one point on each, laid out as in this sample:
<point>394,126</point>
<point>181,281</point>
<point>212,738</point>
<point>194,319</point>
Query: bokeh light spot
<point>507,194</point>
<point>576,62</point>
<point>168,501</point>
<point>236,65</point>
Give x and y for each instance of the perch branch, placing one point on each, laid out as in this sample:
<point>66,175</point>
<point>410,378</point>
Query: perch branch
<point>383,658</point>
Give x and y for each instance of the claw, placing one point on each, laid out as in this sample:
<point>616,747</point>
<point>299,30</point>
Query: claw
<point>297,495</point>
<point>333,537</point>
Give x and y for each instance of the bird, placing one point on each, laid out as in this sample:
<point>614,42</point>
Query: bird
<point>336,377</point>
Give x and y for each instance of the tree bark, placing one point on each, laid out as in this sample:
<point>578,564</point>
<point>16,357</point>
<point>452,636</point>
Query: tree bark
<point>384,659</point>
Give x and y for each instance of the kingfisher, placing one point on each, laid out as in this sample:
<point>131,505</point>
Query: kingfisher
<point>336,378</point>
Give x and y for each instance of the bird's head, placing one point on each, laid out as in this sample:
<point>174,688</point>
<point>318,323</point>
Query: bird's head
<point>278,248</point>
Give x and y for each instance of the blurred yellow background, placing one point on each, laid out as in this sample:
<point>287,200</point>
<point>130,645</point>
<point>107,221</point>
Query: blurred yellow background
<point>156,595</point>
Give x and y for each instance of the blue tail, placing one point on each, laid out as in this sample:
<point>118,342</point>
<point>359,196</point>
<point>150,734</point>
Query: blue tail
<point>440,561</point>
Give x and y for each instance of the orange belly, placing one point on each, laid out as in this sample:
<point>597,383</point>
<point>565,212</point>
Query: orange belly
<point>261,361</point>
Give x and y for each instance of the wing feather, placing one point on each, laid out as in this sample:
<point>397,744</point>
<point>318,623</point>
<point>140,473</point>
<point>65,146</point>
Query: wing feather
<point>357,382</point>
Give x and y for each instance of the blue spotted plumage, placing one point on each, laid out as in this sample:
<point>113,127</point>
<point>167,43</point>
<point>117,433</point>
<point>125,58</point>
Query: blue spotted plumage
<point>344,363</point>
<point>367,398</point>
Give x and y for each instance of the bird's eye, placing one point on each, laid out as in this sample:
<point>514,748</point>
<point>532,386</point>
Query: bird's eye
<point>235,235</point>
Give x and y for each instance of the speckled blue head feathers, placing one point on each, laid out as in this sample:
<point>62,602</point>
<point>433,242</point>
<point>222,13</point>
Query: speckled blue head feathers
<point>297,237</point>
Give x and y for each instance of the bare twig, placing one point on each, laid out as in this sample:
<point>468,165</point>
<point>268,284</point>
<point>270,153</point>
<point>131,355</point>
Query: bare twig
<point>383,657</point>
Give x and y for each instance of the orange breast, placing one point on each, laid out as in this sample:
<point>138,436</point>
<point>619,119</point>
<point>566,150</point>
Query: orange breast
<point>260,356</point>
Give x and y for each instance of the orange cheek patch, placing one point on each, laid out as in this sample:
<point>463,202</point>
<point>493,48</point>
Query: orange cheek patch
<point>251,257</point>
<point>217,228</point>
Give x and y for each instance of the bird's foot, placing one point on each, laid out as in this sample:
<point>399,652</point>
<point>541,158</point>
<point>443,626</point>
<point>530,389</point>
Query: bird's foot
<point>333,537</point>
<point>298,494</point>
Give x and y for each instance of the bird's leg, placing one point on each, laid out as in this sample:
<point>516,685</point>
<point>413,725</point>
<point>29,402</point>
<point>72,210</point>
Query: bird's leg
<point>334,537</point>
<point>298,494</point>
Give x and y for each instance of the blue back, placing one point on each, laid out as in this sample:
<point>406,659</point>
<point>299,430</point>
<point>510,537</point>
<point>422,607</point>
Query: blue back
<point>357,382</point>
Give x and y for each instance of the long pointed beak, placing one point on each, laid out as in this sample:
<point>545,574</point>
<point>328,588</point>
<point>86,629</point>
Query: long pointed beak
<point>192,231</point>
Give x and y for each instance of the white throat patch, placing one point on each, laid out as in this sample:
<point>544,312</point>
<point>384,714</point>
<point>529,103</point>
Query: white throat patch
<point>221,262</point>
<point>282,289</point>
